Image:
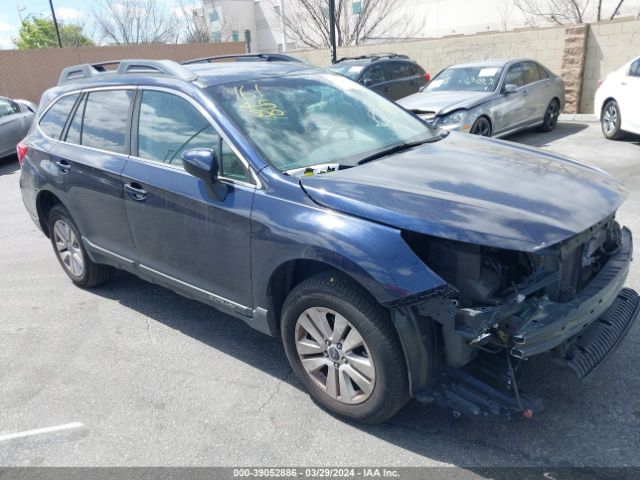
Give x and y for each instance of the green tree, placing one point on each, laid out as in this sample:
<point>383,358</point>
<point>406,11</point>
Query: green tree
<point>40,32</point>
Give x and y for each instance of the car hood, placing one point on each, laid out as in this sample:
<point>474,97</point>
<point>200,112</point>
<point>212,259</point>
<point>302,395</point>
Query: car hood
<point>482,191</point>
<point>443,102</point>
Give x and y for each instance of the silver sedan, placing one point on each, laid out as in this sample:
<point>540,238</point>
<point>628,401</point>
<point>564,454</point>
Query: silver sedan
<point>492,98</point>
<point>16,117</point>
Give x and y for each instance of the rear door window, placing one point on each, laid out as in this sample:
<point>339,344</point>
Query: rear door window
<point>398,70</point>
<point>52,123</point>
<point>106,124</point>
<point>530,72</point>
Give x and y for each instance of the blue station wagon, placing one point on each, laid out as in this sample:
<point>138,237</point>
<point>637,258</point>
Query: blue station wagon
<point>394,259</point>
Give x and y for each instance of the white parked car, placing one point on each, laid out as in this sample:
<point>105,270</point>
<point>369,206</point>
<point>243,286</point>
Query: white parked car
<point>617,101</point>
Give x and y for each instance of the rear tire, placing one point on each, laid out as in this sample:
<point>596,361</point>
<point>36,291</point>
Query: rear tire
<point>610,121</point>
<point>342,346</point>
<point>551,116</point>
<point>67,244</point>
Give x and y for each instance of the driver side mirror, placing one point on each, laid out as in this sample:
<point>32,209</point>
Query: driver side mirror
<point>367,82</point>
<point>203,163</point>
<point>509,88</point>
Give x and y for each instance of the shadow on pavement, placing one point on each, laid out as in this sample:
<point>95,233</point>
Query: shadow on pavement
<point>543,139</point>
<point>582,425</point>
<point>8,165</point>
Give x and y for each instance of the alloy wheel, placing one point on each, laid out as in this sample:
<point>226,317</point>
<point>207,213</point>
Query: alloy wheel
<point>68,248</point>
<point>610,118</point>
<point>481,127</point>
<point>551,117</point>
<point>334,355</point>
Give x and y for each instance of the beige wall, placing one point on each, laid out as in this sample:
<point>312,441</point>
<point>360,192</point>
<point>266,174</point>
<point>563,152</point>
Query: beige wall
<point>545,45</point>
<point>28,73</point>
<point>609,46</point>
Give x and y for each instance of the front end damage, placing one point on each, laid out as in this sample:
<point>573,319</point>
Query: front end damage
<point>501,307</point>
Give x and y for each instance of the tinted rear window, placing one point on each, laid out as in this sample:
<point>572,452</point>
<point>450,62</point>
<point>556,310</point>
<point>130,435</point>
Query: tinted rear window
<point>105,123</point>
<point>396,70</point>
<point>53,121</point>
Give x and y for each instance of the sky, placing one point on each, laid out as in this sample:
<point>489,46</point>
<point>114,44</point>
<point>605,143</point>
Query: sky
<point>71,11</point>
<point>68,11</point>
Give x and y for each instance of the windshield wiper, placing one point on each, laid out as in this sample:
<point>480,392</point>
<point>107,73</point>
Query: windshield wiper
<point>396,149</point>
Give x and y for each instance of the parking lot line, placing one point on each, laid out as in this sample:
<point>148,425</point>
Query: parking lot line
<point>39,431</point>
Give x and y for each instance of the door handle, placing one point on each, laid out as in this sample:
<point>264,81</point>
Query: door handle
<point>63,166</point>
<point>623,83</point>
<point>135,191</point>
<point>525,92</point>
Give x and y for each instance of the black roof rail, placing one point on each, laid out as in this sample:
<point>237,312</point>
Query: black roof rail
<point>374,56</point>
<point>267,57</point>
<point>360,57</point>
<point>128,66</point>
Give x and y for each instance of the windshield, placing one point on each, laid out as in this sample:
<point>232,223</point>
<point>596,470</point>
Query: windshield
<point>308,120</point>
<point>351,71</point>
<point>470,79</point>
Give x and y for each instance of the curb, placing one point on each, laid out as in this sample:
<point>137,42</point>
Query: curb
<point>577,117</point>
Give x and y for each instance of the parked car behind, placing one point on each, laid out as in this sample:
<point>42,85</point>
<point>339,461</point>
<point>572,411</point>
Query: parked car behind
<point>393,259</point>
<point>15,120</point>
<point>492,98</point>
<point>617,101</point>
<point>391,75</point>
<point>246,57</point>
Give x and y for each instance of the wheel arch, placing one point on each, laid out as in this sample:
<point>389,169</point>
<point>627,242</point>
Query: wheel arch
<point>291,273</point>
<point>607,99</point>
<point>45,201</point>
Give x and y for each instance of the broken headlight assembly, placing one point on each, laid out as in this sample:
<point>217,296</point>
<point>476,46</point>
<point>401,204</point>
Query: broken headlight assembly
<point>499,293</point>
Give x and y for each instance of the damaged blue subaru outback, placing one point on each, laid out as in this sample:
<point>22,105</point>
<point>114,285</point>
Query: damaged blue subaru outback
<point>394,259</point>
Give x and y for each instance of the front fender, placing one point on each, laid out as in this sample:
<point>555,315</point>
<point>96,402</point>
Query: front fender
<point>375,255</point>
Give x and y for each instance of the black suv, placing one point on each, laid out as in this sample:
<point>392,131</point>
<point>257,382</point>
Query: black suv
<point>389,74</point>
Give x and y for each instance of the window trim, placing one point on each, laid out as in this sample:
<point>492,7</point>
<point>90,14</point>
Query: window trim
<point>80,91</point>
<point>81,101</point>
<point>258,183</point>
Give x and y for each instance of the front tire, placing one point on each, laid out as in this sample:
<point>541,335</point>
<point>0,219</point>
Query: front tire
<point>342,346</point>
<point>481,127</point>
<point>610,121</point>
<point>67,244</point>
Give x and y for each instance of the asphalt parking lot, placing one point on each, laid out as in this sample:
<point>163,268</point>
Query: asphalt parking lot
<point>152,378</point>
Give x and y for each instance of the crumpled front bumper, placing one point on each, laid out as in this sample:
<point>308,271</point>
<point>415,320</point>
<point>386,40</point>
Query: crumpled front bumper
<point>555,324</point>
